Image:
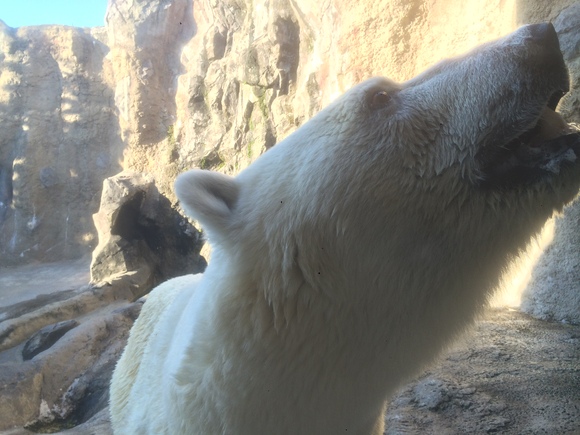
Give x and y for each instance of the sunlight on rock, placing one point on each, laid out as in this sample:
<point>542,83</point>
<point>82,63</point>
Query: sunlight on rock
<point>519,274</point>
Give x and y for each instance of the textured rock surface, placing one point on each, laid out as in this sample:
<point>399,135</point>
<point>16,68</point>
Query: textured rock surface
<point>46,337</point>
<point>59,138</point>
<point>567,24</point>
<point>140,232</point>
<point>20,321</point>
<point>513,375</point>
<point>256,71</point>
<point>145,40</point>
<point>66,383</point>
<point>36,280</point>
<point>553,292</point>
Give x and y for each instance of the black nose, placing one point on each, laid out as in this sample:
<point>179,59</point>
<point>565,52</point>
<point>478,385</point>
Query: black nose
<point>544,34</point>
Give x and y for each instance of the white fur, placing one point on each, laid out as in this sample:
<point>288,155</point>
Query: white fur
<point>344,259</point>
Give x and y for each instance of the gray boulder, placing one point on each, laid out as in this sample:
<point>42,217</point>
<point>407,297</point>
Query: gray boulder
<point>46,337</point>
<point>67,383</point>
<point>139,231</point>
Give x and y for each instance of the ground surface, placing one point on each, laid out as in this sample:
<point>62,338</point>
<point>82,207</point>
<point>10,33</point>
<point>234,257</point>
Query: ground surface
<point>18,284</point>
<point>512,374</point>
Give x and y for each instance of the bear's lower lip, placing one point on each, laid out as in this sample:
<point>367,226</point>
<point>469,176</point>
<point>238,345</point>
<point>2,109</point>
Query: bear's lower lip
<point>555,98</point>
<point>549,125</point>
<point>538,152</point>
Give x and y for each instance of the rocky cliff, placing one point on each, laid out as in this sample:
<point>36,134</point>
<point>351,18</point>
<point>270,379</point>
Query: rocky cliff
<point>59,138</point>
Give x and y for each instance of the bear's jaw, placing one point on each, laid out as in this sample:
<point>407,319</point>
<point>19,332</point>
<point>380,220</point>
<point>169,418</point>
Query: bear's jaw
<point>524,142</point>
<point>548,144</point>
<point>537,154</point>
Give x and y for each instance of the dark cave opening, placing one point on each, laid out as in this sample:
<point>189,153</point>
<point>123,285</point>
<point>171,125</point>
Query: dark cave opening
<point>131,225</point>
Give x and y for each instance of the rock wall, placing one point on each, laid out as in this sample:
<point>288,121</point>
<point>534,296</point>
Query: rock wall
<point>58,140</point>
<point>174,84</point>
<point>146,39</point>
<point>141,234</point>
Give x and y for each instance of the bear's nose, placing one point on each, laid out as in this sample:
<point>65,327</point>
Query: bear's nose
<point>544,34</point>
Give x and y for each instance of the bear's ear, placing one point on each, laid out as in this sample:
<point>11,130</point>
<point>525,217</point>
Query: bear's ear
<point>208,197</point>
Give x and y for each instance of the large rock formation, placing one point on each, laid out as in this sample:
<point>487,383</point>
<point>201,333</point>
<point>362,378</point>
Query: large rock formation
<point>65,381</point>
<point>140,232</point>
<point>145,41</point>
<point>59,138</point>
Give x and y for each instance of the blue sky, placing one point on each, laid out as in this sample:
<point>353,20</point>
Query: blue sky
<point>80,13</point>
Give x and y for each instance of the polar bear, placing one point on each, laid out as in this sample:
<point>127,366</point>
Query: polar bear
<point>350,254</point>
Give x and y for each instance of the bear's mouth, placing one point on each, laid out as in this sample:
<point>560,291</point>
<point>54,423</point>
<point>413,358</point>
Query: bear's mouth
<point>539,152</point>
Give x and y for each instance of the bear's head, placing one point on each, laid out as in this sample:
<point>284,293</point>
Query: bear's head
<point>444,176</point>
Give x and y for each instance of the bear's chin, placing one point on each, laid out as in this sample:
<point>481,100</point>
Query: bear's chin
<point>537,154</point>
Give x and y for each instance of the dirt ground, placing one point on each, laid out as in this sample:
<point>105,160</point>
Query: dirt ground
<point>22,283</point>
<point>512,374</point>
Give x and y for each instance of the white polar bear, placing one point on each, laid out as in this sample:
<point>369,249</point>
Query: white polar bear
<point>347,256</point>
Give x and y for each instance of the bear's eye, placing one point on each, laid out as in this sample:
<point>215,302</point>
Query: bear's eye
<point>379,99</point>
